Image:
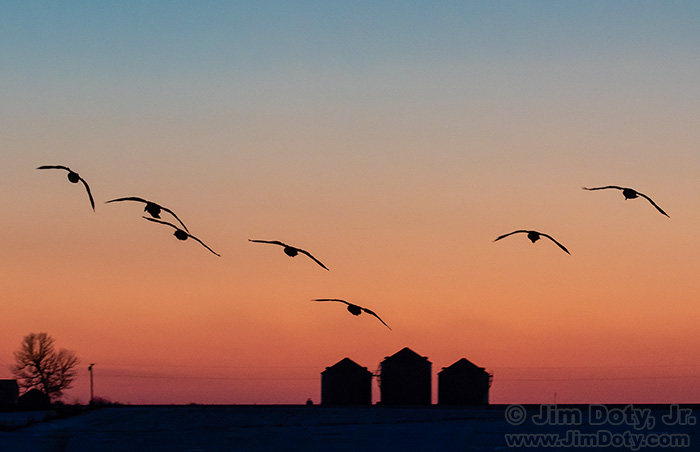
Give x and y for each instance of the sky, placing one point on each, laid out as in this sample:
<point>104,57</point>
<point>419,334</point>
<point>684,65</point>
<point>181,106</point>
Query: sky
<point>393,140</point>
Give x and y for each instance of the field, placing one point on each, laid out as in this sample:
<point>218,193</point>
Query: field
<point>196,428</point>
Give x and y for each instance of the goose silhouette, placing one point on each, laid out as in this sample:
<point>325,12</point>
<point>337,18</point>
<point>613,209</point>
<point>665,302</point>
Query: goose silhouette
<point>151,208</point>
<point>534,236</point>
<point>629,193</point>
<point>289,250</point>
<point>354,309</point>
<point>74,178</point>
<point>180,234</point>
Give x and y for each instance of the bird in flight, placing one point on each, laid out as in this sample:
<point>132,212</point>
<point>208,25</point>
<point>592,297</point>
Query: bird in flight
<point>182,235</point>
<point>354,309</point>
<point>534,236</point>
<point>290,250</point>
<point>152,208</point>
<point>629,193</point>
<point>74,178</point>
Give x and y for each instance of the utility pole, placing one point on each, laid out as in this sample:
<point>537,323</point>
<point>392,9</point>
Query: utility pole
<point>91,393</point>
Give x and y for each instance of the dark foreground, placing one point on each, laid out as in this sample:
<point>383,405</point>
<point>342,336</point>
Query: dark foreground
<point>196,428</point>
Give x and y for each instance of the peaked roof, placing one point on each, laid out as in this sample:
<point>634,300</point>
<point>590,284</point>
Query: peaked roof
<point>345,365</point>
<point>406,354</point>
<point>463,365</point>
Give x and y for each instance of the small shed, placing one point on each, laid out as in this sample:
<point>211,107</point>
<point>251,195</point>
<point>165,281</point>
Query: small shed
<point>463,383</point>
<point>9,394</point>
<point>346,383</point>
<point>405,379</point>
<point>34,399</point>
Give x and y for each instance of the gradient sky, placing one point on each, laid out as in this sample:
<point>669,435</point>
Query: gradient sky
<point>394,140</point>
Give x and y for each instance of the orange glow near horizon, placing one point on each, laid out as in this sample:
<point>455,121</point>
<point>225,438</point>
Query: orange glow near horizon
<point>167,322</point>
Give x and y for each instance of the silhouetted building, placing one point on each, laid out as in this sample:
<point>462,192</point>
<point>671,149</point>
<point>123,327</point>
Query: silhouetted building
<point>463,383</point>
<point>34,399</point>
<point>405,379</point>
<point>346,383</point>
<point>9,394</point>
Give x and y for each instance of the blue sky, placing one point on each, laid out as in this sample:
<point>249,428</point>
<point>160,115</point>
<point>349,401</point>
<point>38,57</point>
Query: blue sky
<point>610,82</point>
<point>153,38</point>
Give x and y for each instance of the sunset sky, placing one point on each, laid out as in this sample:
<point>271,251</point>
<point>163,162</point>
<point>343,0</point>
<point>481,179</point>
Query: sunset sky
<point>394,140</point>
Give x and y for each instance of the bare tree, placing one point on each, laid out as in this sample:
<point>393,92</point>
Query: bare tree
<point>38,365</point>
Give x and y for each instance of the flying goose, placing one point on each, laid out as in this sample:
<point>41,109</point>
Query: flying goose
<point>152,208</point>
<point>534,236</point>
<point>289,250</point>
<point>74,178</point>
<point>354,309</point>
<point>180,234</point>
<point>629,193</point>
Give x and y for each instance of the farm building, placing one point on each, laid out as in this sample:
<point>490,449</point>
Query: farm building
<point>405,379</point>
<point>463,383</point>
<point>34,399</point>
<point>346,383</point>
<point>9,394</point>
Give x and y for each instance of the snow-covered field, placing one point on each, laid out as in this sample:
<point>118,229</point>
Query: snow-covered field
<point>316,428</point>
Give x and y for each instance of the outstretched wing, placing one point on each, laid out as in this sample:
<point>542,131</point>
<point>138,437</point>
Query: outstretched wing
<point>314,259</point>
<point>652,203</point>
<point>203,244</point>
<point>370,312</point>
<point>87,187</point>
<point>603,188</point>
<point>273,242</point>
<point>55,167</point>
<point>332,299</point>
<point>511,233</point>
<point>559,244</point>
<point>155,220</point>
<point>128,198</point>
<point>176,217</point>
